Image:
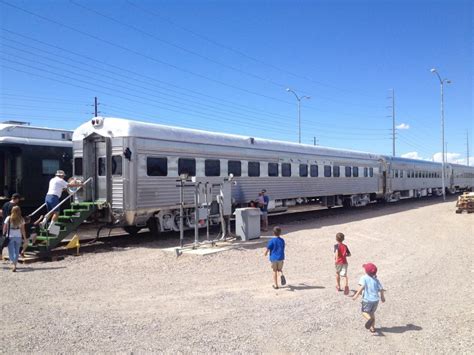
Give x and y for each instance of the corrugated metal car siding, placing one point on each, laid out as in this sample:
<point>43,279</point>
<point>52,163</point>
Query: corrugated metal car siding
<point>401,184</point>
<point>162,191</point>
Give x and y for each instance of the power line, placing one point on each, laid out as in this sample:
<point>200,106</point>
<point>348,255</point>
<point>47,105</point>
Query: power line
<point>174,45</point>
<point>236,51</point>
<point>146,93</point>
<point>124,48</point>
<point>220,101</point>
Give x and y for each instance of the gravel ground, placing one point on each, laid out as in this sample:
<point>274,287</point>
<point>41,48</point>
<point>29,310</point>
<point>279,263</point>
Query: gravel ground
<point>142,299</point>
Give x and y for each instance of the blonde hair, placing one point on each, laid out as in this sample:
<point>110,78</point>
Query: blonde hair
<point>15,217</point>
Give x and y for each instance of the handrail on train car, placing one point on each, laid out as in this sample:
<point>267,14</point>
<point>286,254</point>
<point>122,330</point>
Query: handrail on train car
<point>46,217</point>
<point>37,210</point>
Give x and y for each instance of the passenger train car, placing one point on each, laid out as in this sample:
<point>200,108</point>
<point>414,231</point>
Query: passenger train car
<point>29,157</point>
<point>136,166</point>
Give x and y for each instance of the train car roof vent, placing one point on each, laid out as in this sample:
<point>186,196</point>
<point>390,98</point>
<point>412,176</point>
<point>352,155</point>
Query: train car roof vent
<point>252,140</point>
<point>18,123</point>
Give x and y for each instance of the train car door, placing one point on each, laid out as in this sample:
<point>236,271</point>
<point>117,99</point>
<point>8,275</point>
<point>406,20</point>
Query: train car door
<point>97,164</point>
<point>101,170</point>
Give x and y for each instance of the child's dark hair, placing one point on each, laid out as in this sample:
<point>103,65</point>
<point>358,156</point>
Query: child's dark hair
<point>277,231</point>
<point>340,237</point>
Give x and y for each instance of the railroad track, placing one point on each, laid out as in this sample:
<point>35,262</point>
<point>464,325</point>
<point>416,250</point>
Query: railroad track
<point>171,239</point>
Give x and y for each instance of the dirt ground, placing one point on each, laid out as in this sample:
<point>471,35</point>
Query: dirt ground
<point>140,298</point>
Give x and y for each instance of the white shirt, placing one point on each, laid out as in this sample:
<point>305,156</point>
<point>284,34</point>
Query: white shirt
<point>14,232</point>
<point>56,186</point>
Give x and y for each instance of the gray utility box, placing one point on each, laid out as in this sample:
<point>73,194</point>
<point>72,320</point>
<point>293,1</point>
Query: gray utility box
<point>247,223</point>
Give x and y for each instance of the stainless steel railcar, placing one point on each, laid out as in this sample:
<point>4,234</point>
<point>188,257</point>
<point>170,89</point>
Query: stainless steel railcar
<point>135,166</point>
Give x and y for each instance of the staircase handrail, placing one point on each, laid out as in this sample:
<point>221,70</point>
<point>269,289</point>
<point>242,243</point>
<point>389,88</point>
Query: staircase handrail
<point>64,200</point>
<point>37,210</point>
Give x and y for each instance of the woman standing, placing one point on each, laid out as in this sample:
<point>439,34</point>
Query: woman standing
<point>14,228</point>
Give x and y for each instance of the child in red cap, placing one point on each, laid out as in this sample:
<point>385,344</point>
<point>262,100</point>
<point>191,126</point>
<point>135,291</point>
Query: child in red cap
<point>371,286</point>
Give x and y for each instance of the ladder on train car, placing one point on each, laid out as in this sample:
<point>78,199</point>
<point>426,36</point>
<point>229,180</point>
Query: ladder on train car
<point>69,220</point>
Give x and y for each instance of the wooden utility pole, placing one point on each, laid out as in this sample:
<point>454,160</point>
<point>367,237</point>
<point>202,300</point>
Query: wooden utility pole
<point>95,106</point>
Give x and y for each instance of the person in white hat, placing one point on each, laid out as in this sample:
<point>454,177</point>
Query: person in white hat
<point>56,187</point>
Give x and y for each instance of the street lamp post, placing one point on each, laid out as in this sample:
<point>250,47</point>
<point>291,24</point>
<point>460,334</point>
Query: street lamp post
<point>442,82</point>
<point>298,98</point>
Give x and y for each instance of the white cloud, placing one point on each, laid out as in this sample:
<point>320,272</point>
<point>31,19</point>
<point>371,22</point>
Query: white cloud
<point>451,158</point>
<point>413,155</point>
<point>403,126</point>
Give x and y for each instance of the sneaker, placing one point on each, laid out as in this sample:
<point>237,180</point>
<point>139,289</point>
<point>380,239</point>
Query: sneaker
<point>283,280</point>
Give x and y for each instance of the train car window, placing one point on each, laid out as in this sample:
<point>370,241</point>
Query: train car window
<point>187,166</point>
<point>254,168</point>
<point>234,167</point>
<point>49,166</point>
<point>78,166</point>
<point>336,171</point>
<point>348,171</point>
<point>156,166</point>
<point>272,169</point>
<point>396,173</point>
<point>355,171</point>
<point>212,167</point>
<point>371,172</point>
<point>101,165</point>
<point>366,172</point>
<point>286,169</point>
<point>303,170</point>
<point>401,174</point>
<point>313,170</point>
<point>116,165</point>
<point>327,170</point>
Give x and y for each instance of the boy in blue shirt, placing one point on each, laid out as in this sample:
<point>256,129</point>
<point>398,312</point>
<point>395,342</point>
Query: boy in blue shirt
<point>370,299</point>
<point>276,248</point>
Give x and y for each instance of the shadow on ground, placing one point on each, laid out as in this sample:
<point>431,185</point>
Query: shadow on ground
<point>399,329</point>
<point>302,287</point>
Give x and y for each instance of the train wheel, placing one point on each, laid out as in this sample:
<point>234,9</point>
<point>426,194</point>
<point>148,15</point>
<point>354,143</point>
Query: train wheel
<point>152,225</point>
<point>132,230</point>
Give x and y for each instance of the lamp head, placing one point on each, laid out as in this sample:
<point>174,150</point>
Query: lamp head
<point>433,70</point>
<point>448,81</point>
<point>288,89</point>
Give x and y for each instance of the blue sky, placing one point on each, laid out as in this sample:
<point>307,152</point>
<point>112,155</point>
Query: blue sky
<point>224,66</point>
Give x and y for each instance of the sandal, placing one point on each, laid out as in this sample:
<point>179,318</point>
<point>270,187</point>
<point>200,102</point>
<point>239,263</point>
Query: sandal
<point>368,324</point>
<point>338,289</point>
<point>283,280</point>
<point>275,287</point>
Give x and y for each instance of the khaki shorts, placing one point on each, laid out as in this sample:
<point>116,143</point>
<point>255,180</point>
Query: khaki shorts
<point>277,265</point>
<point>341,269</point>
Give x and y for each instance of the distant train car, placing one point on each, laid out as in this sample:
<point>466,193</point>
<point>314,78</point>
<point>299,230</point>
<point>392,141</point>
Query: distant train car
<point>408,178</point>
<point>29,157</point>
<point>461,177</point>
<point>135,167</point>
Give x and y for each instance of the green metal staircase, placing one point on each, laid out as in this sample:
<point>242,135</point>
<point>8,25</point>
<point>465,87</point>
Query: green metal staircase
<point>68,221</point>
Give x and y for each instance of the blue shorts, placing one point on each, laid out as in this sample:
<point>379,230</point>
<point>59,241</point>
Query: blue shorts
<point>369,307</point>
<point>51,202</point>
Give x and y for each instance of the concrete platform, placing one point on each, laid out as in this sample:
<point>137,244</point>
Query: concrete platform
<point>208,248</point>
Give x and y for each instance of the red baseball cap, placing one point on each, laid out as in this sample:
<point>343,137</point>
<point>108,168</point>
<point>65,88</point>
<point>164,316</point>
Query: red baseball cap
<point>370,268</point>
